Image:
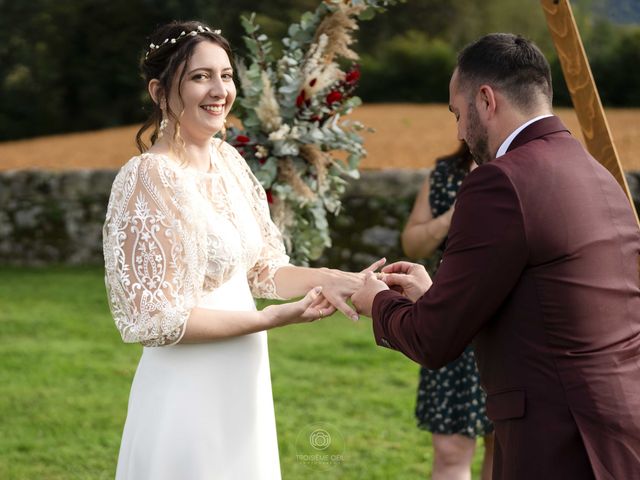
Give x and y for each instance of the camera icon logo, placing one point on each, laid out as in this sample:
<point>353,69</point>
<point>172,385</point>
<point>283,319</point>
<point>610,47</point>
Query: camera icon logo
<point>320,439</point>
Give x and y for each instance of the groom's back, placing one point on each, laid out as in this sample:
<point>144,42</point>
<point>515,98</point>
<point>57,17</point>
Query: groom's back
<point>570,329</point>
<point>583,244</point>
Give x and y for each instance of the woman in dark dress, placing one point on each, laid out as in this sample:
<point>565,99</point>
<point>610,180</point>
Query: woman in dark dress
<point>450,403</point>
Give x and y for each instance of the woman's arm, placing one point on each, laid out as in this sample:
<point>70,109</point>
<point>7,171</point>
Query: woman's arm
<point>205,324</point>
<point>337,286</point>
<point>423,233</point>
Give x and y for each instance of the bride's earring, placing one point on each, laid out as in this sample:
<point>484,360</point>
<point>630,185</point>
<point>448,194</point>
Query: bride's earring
<point>163,126</point>
<point>164,122</point>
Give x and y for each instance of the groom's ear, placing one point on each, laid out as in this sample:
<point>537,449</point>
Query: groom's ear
<point>486,102</point>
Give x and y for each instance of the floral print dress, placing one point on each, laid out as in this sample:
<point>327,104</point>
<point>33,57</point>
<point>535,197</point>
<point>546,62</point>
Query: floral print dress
<point>450,399</point>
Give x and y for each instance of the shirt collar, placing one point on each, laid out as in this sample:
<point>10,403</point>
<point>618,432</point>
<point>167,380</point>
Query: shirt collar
<point>505,145</point>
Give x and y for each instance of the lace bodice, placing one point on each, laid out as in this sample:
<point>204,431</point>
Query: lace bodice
<point>173,234</point>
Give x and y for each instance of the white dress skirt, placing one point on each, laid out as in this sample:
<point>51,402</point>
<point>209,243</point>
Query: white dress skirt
<point>203,411</point>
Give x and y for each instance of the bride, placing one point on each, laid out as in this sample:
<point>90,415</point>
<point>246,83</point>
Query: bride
<point>188,244</point>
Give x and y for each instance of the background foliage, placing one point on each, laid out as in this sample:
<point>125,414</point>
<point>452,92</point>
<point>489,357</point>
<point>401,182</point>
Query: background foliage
<point>72,65</point>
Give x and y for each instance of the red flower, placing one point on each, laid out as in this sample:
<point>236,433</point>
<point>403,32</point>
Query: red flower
<point>352,76</point>
<point>300,99</point>
<point>269,196</point>
<point>334,97</point>
<point>242,139</point>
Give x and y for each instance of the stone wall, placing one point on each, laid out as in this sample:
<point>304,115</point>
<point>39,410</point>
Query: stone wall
<point>375,209</point>
<point>53,217</point>
<point>57,217</point>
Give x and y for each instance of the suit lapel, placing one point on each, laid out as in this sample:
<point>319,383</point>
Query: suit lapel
<point>538,129</point>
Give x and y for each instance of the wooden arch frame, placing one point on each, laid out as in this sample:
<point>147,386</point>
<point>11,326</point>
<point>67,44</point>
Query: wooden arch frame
<point>583,90</point>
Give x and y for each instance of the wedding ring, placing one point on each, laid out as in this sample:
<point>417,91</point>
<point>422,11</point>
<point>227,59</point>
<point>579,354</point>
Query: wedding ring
<point>380,275</point>
<point>320,313</point>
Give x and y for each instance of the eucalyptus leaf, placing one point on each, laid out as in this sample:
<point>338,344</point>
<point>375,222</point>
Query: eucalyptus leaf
<point>367,14</point>
<point>248,25</point>
<point>252,45</point>
<point>293,30</point>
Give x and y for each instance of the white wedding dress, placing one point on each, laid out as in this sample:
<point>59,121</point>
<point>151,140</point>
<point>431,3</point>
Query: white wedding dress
<point>174,239</point>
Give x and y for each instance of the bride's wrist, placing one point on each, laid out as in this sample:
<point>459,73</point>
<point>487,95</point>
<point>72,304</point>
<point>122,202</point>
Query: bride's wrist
<point>268,318</point>
<point>332,279</point>
<point>326,276</point>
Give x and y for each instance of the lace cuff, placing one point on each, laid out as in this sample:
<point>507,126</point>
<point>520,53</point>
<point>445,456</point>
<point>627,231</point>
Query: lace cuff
<point>261,278</point>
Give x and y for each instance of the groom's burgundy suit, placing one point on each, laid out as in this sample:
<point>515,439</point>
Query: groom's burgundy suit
<point>541,268</point>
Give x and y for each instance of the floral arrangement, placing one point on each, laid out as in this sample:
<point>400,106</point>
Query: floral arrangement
<point>293,134</point>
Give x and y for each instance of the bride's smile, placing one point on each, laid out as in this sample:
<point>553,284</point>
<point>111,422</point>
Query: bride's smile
<point>207,92</point>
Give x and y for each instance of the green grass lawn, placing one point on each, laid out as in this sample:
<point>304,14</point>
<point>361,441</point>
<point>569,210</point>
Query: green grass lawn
<point>65,377</point>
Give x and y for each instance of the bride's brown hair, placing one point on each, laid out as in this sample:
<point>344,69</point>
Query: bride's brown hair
<point>169,47</point>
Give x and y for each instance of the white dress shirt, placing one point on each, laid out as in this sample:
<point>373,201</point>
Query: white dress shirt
<point>505,145</point>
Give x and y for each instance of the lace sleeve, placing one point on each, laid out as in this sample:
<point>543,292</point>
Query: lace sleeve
<point>273,254</point>
<point>153,254</point>
<point>272,257</point>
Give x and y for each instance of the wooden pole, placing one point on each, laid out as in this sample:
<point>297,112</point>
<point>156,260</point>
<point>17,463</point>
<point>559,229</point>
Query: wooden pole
<point>583,90</point>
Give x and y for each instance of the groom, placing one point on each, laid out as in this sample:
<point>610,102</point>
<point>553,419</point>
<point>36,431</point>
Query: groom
<point>540,270</point>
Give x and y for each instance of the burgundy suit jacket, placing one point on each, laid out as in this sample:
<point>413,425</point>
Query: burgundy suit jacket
<point>541,269</point>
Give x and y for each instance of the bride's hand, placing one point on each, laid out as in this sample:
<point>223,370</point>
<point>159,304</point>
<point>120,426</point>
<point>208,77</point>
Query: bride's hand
<point>312,306</point>
<point>339,286</point>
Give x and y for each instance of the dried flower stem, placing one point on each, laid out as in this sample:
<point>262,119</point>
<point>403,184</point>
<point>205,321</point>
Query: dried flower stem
<point>288,174</point>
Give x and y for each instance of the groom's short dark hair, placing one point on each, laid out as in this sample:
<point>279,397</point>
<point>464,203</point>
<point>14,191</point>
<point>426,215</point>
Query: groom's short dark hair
<point>508,63</point>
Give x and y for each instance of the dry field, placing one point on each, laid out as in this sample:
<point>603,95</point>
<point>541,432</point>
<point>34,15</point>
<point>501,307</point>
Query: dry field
<point>406,136</point>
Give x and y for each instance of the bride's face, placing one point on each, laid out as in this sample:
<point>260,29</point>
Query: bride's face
<point>207,92</point>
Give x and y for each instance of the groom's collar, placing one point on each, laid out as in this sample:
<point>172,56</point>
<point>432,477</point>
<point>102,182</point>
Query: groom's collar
<point>507,143</point>
<point>537,129</point>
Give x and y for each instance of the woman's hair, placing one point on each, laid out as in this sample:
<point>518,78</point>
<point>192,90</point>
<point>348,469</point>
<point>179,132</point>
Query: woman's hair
<point>461,158</point>
<point>168,48</point>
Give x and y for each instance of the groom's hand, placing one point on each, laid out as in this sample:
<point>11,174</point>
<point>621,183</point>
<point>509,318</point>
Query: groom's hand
<point>363,298</point>
<point>410,279</point>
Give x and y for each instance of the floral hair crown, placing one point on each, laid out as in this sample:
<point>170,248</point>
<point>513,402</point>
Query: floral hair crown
<point>153,47</point>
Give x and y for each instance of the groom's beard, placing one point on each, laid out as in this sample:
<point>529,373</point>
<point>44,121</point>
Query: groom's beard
<point>477,137</point>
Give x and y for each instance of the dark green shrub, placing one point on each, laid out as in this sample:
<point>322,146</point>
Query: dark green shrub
<point>408,68</point>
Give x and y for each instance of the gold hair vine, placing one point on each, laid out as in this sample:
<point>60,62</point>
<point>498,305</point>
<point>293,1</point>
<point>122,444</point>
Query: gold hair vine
<point>153,47</point>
